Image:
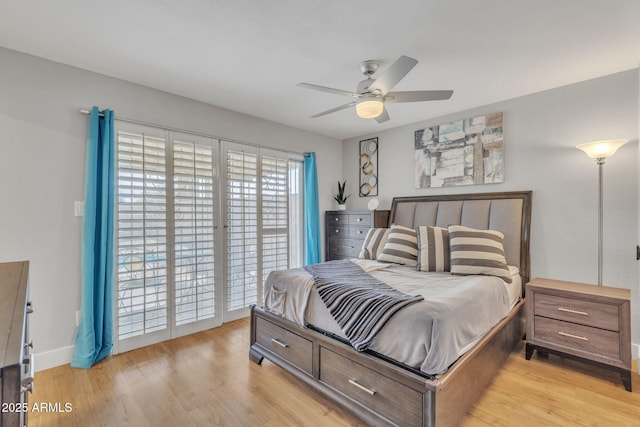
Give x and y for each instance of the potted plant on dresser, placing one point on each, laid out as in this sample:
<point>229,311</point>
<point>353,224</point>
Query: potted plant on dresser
<point>341,198</point>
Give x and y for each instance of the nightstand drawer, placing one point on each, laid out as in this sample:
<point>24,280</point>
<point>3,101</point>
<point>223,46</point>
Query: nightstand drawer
<point>292,347</point>
<point>397,402</point>
<point>590,313</point>
<point>577,339</point>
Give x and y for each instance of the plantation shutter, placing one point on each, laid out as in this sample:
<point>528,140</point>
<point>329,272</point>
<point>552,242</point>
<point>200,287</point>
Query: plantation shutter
<point>142,233</point>
<point>194,221</point>
<point>242,226</point>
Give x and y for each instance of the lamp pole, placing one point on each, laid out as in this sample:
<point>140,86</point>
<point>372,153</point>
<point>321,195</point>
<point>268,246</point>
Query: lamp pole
<point>600,150</point>
<point>600,163</point>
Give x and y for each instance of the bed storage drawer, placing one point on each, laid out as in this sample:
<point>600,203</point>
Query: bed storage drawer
<point>398,403</point>
<point>294,348</point>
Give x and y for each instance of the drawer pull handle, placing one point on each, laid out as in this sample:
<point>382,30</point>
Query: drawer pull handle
<point>359,219</point>
<point>337,219</point>
<point>359,231</point>
<point>280,343</point>
<point>564,334</point>
<point>363,388</point>
<point>348,247</point>
<point>568,310</point>
<point>337,231</point>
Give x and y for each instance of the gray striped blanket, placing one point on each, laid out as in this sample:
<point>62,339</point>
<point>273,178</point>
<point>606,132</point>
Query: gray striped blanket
<point>360,304</point>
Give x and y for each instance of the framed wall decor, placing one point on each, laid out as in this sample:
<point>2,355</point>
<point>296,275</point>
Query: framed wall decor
<point>464,152</point>
<point>369,167</point>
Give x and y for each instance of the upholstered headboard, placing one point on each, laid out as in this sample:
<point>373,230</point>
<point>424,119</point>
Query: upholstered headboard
<point>509,213</point>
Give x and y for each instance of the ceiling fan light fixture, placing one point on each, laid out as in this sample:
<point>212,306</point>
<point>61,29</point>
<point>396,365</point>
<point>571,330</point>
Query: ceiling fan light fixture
<point>369,107</point>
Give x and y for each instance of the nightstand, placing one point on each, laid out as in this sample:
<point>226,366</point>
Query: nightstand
<point>586,322</point>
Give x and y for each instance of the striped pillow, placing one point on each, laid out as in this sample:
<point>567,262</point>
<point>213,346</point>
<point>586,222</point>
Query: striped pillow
<point>374,243</point>
<point>401,247</point>
<point>478,252</point>
<point>433,249</point>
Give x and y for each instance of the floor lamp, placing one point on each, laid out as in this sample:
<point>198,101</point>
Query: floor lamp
<point>600,151</point>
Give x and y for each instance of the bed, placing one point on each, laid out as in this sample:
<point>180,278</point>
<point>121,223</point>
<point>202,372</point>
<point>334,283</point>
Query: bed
<point>380,386</point>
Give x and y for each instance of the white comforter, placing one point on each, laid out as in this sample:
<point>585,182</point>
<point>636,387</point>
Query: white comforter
<point>429,335</point>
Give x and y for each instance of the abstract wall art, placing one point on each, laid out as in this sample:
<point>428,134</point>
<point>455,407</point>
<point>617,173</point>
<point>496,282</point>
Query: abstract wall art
<point>369,167</point>
<point>464,152</point>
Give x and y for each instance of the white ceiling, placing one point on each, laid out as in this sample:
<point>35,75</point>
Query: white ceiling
<point>248,55</point>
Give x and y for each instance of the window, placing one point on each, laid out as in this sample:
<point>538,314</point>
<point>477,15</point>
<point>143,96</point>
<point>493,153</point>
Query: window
<point>264,225</point>
<point>187,258</point>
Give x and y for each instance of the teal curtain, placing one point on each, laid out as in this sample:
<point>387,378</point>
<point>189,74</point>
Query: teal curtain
<point>313,244</point>
<point>94,338</point>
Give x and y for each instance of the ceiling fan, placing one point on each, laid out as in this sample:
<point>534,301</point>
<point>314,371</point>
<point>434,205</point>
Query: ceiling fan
<point>372,94</point>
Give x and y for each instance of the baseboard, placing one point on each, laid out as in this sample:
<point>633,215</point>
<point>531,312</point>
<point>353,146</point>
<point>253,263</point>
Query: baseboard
<point>62,356</point>
<point>53,358</point>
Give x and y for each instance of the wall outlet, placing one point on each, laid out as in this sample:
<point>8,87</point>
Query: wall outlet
<point>78,209</point>
<point>77,319</point>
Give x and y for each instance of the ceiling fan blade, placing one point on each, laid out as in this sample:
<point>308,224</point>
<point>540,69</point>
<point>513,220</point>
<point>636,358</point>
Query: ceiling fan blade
<point>393,74</point>
<point>333,110</point>
<point>329,90</point>
<point>418,96</point>
<point>383,117</point>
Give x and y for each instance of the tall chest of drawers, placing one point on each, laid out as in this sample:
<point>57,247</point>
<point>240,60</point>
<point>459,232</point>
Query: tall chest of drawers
<point>345,231</point>
<point>591,323</point>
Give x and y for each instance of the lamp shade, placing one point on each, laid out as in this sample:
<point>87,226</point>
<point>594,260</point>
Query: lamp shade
<point>602,149</point>
<point>369,107</point>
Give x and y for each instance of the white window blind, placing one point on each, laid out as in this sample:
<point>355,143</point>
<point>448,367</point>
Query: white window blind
<point>142,234</point>
<point>194,221</point>
<point>242,227</point>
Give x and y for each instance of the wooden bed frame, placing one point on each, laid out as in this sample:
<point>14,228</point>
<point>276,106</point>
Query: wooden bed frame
<point>378,390</point>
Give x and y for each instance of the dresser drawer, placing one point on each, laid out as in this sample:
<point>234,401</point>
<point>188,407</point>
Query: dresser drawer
<point>337,230</point>
<point>290,346</point>
<point>337,219</point>
<point>396,402</point>
<point>577,339</point>
<point>590,313</point>
<point>358,233</point>
<point>344,248</point>
<point>360,220</point>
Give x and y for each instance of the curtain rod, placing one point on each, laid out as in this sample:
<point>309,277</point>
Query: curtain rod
<point>138,122</point>
<point>204,135</point>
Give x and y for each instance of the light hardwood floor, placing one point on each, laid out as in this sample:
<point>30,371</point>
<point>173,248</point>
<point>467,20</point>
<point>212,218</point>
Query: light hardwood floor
<point>206,379</point>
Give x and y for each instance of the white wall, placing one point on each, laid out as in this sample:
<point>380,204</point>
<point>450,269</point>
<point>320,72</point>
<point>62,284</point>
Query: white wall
<point>42,156</point>
<point>541,132</point>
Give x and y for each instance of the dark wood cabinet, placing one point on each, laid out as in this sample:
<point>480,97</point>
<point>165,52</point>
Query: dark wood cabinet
<point>591,323</point>
<point>345,231</point>
<point>16,368</point>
